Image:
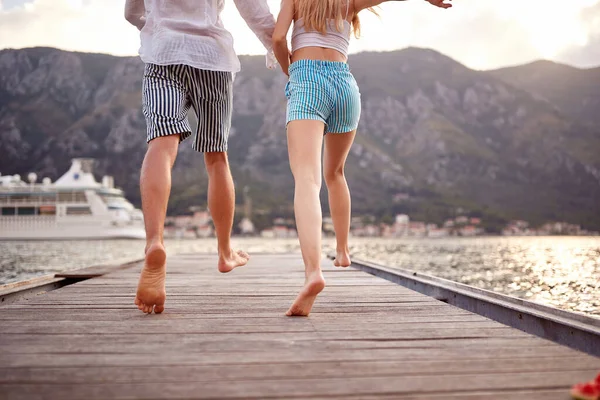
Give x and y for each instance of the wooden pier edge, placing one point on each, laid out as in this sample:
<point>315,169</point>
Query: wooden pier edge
<point>21,290</point>
<point>97,270</point>
<point>12,292</point>
<point>576,331</point>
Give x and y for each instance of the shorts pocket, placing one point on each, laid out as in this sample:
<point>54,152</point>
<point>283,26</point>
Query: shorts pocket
<point>287,90</point>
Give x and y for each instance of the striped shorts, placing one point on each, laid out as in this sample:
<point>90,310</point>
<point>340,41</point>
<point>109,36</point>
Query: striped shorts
<point>170,90</point>
<point>324,91</point>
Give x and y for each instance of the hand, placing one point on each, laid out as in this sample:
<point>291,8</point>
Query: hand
<point>440,3</point>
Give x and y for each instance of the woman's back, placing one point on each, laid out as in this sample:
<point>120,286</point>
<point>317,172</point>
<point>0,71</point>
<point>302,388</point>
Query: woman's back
<point>314,40</point>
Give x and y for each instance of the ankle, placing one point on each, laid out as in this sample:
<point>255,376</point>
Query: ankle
<point>225,253</point>
<point>313,271</point>
<point>342,249</point>
<point>153,243</point>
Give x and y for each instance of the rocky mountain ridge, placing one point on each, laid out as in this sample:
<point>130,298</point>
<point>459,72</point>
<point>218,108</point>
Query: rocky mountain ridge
<point>435,137</point>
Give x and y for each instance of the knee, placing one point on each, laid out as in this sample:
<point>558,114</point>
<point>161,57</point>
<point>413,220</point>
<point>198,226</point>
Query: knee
<point>334,175</point>
<point>163,147</point>
<point>215,159</point>
<point>308,178</point>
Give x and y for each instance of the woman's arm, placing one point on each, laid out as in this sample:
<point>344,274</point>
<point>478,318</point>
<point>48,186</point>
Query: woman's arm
<point>280,46</point>
<point>360,5</point>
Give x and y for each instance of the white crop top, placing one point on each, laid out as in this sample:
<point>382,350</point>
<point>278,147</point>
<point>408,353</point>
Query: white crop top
<point>333,39</point>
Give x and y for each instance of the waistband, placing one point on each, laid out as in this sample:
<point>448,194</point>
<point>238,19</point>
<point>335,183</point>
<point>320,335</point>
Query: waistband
<point>320,64</point>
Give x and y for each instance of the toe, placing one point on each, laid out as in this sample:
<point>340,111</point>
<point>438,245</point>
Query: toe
<point>159,309</point>
<point>294,310</point>
<point>243,254</point>
<point>136,301</point>
<point>140,306</point>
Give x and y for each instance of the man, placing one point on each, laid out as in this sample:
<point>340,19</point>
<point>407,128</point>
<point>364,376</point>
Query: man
<point>190,62</point>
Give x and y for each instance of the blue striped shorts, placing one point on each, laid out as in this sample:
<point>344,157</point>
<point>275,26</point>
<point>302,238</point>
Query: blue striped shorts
<point>168,93</point>
<point>324,91</point>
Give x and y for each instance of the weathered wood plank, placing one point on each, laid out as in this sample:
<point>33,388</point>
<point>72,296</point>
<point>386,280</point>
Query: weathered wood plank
<point>233,372</point>
<point>129,343</point>
<point>61,314</point>
<point>97,270</point>
<point>30,288</point>
<point>137,324</point>
<point>554,394</point>
<point>59,358</point>
<point>225,389</point>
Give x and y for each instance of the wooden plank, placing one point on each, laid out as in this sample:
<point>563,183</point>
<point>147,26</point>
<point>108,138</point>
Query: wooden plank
<point>87,314</point>
<point>97,270</point>
<point>298,370</point>
<point>58,358</point>
<point>137,324</point>
<point>27,289</point>
<point>30,288</point>
<point>16,286</point>
<point>128,343</point>
<point>558,394</point>
<point>224,389</point>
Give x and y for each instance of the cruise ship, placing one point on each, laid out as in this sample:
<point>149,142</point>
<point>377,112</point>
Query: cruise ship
<point>76,206</point>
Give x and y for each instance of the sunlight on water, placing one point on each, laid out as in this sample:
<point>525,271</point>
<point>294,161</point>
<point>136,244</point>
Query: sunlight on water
<point>560,271</point>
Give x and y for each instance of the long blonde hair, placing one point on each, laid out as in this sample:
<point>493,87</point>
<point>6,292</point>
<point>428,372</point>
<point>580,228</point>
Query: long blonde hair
<point>316,13</point>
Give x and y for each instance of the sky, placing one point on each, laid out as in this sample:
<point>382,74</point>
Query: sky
<point>482,34</point>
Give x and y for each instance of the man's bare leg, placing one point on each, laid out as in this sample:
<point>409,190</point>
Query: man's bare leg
<point>221,203</point>
<point>155,185</point>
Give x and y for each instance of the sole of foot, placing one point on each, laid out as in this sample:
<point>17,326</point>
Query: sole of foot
<point>232,261</point>
<point>307,296</point>
<point>342,259</point>
<point>151,294</point>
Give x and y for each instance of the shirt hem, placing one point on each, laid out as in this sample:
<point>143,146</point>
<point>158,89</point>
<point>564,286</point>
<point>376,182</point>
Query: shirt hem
<point>206,67</point>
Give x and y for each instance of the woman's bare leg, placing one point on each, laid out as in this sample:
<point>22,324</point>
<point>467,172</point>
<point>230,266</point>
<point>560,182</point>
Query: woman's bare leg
<point>337,147</point>
<point>305,141</point>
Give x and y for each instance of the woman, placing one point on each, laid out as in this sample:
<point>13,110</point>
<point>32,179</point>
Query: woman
<point>323,98</point>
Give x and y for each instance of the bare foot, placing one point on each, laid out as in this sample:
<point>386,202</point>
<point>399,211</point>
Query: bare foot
<point>151,294</point>
<point>342,259</point>
<point>234,260</point>
<point>315,283</point>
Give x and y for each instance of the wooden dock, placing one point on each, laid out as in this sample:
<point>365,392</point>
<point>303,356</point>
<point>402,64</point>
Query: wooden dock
<point>226,336</point>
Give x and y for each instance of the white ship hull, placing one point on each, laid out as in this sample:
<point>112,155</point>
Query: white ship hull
<point>75,207</point>
<point>69,231</point>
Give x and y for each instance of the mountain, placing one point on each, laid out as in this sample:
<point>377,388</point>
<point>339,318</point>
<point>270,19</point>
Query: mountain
<point>435,137</point>
<point>576,92</point>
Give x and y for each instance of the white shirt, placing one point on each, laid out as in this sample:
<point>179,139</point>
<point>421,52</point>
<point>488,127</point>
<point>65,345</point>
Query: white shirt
<point>191,32</point>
